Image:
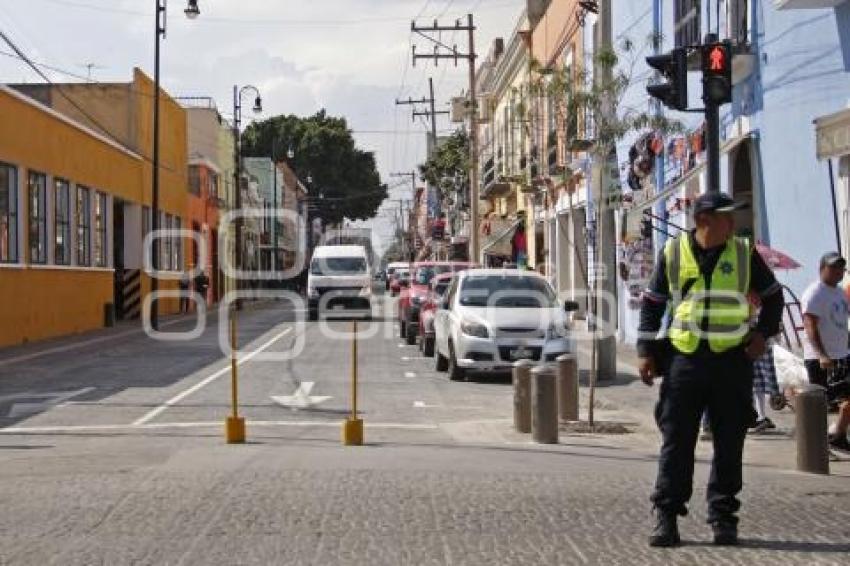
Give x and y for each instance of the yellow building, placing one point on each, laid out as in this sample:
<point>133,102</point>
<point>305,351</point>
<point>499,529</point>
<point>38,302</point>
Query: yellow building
<point>75,193</point>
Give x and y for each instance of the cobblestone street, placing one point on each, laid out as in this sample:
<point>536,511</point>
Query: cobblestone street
<point>443,479</point>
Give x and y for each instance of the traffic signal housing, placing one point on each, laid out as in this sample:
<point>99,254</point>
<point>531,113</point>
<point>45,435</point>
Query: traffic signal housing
<point>717,73</point>
<point>673,66</point>
<point>646,227</point>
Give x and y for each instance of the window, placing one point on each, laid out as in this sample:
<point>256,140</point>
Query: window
<point>100,249</point>
<point>165,242</point>
<point>687,22</point>
<point>177,247</point>
<point>37,195</point>
<point>62,226</point>
<point>738,32</point>
<point>195,180</point>
<point>82,218</point>
<point>8,214</point>
<point>212,179</point>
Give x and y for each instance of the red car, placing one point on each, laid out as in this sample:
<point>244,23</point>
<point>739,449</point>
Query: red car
<point>439,285</point>
<point>400,278</point>
<point>412,297</point>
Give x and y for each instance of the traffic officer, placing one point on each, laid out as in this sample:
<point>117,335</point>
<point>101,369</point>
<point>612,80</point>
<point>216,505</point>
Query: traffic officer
<point>705,356</point>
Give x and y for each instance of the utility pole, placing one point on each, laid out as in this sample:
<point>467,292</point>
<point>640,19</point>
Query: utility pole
<point>430,114</point>
<point>443,51</point>
<point>605,260</point>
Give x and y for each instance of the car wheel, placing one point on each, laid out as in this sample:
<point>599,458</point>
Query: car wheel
<point>441,364</point>
<point>402,329</point>
<point>314,316</point>
<point>456,373</point>
<point>409,334</point>
<point>427,346</point>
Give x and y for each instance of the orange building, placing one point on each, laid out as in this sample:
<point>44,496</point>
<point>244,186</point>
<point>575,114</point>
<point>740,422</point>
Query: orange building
<point>75,195</point>
<point>205,206</point>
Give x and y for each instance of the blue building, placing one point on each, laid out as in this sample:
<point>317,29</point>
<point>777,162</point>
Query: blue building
<point>785,139</point>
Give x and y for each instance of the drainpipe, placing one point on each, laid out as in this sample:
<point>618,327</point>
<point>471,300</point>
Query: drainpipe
<point>660,206</point>
<point>834,205</point>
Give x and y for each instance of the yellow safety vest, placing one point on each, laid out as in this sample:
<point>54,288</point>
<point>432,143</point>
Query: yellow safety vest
<point>728,309</point>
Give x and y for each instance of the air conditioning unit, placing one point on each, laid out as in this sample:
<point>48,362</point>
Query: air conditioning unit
<point>485,108</point>
<point>459,109</point>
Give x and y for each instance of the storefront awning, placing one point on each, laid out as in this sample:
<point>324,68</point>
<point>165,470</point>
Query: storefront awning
<point>833,135</point>
<point>500,243</point>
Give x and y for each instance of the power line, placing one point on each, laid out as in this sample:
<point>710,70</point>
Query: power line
<point>73,102</point>
<point>324,22</point>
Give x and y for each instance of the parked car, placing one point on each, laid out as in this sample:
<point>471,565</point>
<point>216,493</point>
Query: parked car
<point>400,278</point>
<point>339,281</point>
<point>491,318</point>
<point>391,269</point>
<point>411,299</point>
<point>439,284</point>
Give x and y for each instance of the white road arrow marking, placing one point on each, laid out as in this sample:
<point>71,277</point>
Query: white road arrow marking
<point>301,399</point>
<point>31,408</point>
<point>409,374</point>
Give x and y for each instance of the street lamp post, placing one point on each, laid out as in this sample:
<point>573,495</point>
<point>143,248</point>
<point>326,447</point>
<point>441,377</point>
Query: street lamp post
<point>161,15</point>
<point>237,154</point>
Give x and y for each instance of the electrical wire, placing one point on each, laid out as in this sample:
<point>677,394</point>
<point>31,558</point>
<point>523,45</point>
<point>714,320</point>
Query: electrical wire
<point>104,130</point>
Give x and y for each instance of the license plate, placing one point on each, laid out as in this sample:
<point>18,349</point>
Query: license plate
<point>521,354</point>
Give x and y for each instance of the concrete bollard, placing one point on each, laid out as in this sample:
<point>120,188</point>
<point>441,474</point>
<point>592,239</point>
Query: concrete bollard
<point>811,430</point>
<point>544,405</point>
<point>522,395</point>
<point>568,387</point>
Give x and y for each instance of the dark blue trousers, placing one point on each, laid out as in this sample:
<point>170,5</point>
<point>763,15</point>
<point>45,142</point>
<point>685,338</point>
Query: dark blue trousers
<point>722,384</point>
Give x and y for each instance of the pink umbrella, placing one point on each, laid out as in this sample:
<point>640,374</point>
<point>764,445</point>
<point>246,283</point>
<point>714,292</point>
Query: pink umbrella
<point>776,259</point>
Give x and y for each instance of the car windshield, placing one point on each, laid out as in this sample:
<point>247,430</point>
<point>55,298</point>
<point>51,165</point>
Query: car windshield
<point>507,292</point>
<point>338,266</point>
<point>424,275</point>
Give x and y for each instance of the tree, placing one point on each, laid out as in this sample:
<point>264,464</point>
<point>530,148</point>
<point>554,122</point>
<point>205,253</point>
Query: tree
<point>594,98</point>
<point>448,166</point>
<point>345,176</point>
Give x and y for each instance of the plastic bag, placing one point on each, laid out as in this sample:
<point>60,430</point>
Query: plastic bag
<point>790,369</point>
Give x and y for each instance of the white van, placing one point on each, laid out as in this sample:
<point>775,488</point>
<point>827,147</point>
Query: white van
<point>340,281</point>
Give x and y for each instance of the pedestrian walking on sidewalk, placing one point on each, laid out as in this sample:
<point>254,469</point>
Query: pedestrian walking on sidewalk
<point>706,358</point>
<point>183,286</point>
<point>765,386</point>
<point>825,343</point>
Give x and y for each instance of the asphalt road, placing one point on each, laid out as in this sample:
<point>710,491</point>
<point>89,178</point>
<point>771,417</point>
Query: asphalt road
<point>112,452</point>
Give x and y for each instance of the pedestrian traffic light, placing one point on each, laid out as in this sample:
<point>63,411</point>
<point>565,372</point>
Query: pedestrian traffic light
<point>673,66</point>
<point>717,73</point>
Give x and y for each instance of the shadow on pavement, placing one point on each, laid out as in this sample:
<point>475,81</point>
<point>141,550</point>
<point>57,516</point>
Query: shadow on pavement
<point>783,545</point>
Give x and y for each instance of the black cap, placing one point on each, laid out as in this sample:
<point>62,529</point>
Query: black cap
<point>716,202</point>
<point>832,259</point>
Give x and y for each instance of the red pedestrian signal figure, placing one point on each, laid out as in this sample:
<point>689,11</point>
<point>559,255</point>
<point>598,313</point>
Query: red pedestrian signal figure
<point>718,59</point>
<point>717,73</point>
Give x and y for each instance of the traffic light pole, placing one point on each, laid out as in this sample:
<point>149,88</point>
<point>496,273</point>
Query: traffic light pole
<point>712,143</point>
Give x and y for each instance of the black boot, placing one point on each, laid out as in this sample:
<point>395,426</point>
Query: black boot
<point>666,531</point>
<point>725,532</point>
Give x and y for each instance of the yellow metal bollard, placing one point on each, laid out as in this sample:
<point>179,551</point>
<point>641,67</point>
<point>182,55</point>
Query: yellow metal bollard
<point>235,425</point>
<point>352,430</point>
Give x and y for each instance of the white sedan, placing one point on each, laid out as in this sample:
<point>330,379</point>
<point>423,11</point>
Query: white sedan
<point>490,318</point>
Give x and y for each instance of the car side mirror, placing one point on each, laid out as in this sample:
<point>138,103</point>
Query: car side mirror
<point>571,306</point>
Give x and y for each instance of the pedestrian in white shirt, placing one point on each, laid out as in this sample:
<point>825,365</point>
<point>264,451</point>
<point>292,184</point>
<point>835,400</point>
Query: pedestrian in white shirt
<point>826,344</point>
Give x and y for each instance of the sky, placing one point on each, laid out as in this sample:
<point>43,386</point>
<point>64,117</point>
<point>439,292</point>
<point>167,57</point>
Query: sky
<point>351,57</point>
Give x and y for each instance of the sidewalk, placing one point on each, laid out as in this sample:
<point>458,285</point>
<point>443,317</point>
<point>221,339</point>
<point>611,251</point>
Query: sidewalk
<point>629,401</point>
